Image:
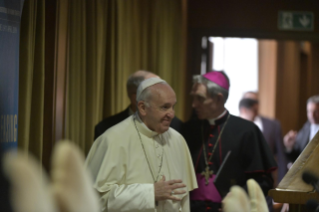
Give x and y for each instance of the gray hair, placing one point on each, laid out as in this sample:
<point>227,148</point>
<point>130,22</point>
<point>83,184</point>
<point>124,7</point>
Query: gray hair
<point>133,82</point>
<point>313,99</point>
<point>146,94</point>
<point>212,88</point>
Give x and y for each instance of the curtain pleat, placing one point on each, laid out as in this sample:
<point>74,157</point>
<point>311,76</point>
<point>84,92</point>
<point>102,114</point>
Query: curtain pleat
<point>31,78</point>
<point>77,87</point>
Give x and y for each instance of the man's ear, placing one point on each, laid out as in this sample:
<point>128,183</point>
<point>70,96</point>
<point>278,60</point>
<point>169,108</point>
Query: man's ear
<point>141,107</point>
<point>220,98</point>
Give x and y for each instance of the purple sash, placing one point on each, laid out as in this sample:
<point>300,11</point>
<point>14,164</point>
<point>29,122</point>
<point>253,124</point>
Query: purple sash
<point>205,192</point>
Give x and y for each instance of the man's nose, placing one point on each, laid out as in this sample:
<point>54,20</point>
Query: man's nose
<point>171,113</point>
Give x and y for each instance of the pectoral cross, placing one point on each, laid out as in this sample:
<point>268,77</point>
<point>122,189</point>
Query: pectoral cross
<point>207,174</point>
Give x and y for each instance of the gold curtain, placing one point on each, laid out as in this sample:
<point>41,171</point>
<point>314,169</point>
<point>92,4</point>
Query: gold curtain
<point>86,71</point>
<point>149,38</point>
<point>108,41</point>
<point>31,78</point>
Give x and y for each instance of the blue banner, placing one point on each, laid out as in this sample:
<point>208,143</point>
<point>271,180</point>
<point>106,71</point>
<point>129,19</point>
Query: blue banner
<point>10,15</point>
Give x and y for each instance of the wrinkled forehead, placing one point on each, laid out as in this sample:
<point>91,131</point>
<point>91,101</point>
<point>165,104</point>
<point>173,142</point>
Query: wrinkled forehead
<point>160,91</point>
<point>199,89</point>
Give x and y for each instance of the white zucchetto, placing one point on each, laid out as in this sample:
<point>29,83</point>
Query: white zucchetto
<point>147,83</point>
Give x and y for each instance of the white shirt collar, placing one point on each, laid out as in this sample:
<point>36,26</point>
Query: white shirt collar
<point>259,123</point>
<point>313,130</point>
<point>212,121</point>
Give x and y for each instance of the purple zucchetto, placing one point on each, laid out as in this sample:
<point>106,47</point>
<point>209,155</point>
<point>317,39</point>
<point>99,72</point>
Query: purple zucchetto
<point>218,78</point>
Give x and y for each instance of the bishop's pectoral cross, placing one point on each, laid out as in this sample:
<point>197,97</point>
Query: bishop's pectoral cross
<point>207,174</point>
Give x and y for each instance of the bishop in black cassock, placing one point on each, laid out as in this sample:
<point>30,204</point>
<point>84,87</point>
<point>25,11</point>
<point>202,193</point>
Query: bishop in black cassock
<point>215,132</point>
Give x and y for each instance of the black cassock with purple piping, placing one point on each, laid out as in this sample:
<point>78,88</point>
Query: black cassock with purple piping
<point>250,157</point>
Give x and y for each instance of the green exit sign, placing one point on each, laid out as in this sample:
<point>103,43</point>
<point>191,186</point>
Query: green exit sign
<point>291,20</point>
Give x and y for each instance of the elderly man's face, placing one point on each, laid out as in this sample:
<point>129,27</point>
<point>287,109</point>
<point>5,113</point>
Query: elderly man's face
<point>313,112</point>
<point>160,112</point>
<point>204,105</point>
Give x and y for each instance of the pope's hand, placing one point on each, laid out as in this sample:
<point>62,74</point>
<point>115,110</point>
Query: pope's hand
<point>167,189</point>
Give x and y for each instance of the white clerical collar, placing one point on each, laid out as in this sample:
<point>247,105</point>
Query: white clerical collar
<point>313,130</point>
<point>212,121</point>
<point>143,128</point>
<point>259,123</point>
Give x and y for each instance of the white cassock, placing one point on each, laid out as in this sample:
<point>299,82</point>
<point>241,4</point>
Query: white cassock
<point>121,171</point>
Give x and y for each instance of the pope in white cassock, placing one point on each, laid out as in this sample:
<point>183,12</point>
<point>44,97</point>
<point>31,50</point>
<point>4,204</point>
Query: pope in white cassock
<point>141,164</point>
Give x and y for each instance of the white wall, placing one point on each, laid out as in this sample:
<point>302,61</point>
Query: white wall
<point>238,57</point>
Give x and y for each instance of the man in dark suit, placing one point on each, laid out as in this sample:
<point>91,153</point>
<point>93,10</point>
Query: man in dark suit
<point>296,142</point>
<point>131,85</point>
<point>271,130</point>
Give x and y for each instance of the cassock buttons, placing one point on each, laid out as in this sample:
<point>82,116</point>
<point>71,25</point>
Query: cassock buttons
<point>208,208</point>
<point>210,163</point>
<point>210,145</point>
<point>209,153</point>
<point>211,135</point>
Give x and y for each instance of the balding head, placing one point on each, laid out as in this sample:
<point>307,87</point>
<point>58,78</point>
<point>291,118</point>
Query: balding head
<point>250,95</point>
<point>133,82</point>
